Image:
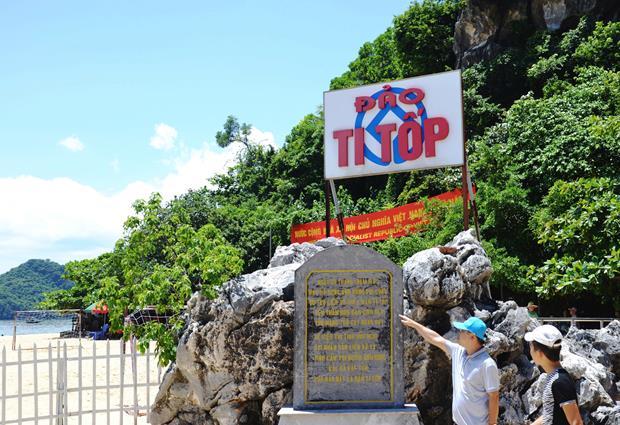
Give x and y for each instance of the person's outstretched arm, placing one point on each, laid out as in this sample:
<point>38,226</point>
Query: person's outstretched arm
<point>429,335</point>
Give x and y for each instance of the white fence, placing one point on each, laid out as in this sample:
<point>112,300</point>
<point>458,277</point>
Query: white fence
<point>574,320</point>
<point>80,383</point>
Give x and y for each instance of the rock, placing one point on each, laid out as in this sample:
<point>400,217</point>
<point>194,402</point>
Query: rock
<point>606,415</point>
<point>592,379</point>
<point>477,269</point>
<point>299,253</point>
<point>608,342</point>
<point>483,315</point>
<point>329,242</point>
<point>475,266</point>
<point>500,314</point>
<point>458,314</point>
<point>476,25</point>
<point>466,245</point>
<point>174,394</point>
<point>556,12</point>
<point>497,343</point>
<point>226,369</point>
<point>485,28</point>
<point>432,279</point>
<point>601,347</point>
<point>427,379</point>
<point>444,277</point>
<point>510,402</point>
<point>295,253</point>
<point>235,356</point>
<point>273,403</point>
<point>532,398</point>
<point>513,326</point>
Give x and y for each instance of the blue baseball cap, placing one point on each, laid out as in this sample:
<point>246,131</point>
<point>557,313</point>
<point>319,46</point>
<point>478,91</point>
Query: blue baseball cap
<point>473,325</point>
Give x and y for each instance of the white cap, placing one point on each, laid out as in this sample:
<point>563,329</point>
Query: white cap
<point>546,335</point>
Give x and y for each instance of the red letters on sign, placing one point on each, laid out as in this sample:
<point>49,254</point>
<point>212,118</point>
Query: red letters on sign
<point>403,97</point>
<point>387,98</point>
<point>364,103</point>
<point>359,146</point>
<point>413,128</point>
<point>343,136</point>
<point>435,129</point>
<point>385,130</point>
<point>410,142</point>
<point>343,146</point>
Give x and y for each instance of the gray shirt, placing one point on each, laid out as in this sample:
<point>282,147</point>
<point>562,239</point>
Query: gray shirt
<point>473,377</point>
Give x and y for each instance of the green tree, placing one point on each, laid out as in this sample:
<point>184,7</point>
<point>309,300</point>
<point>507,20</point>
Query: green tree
<point>579,226</point>
<point>376,61</point>
<point>87,275</point>
<point>233,132</point>
<point>163,260</point>
<point>298,167</point>
<point>563,137</point>
<point>601,48</point>
<point>424,36</point>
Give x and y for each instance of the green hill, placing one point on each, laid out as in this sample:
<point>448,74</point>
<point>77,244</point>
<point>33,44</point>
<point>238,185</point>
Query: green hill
<point>21,288</point>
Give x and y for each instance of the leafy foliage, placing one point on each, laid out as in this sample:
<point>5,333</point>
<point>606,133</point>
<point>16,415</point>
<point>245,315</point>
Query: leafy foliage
<point>602,48</point>
<point>424,35</point>
<point>163,259</point>
<point>579,226</point>
<point>233,132</point>
<point>87,275</point>
<point>376,61</point>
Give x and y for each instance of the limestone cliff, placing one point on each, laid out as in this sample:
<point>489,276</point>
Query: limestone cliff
<point>486,27</point>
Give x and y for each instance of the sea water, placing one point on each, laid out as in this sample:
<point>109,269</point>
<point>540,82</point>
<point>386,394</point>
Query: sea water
<point>45,326</point>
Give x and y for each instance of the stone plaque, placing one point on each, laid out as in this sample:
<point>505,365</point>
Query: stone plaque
<point>348,342</point>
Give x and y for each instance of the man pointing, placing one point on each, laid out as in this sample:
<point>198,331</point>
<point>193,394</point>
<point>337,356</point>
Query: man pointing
<point>475,379</point>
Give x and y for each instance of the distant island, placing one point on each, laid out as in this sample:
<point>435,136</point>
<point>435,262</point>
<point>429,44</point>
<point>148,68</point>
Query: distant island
<point>22,287</point>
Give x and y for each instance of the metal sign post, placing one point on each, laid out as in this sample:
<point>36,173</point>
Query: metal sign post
<point>327,210</point>
<point>338,212</point>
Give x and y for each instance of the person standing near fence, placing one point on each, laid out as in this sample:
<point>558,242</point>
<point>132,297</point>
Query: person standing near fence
<point>475,378</point>
<point>560,406</point>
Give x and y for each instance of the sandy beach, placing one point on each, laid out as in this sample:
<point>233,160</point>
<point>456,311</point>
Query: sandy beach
<point>103,373</point>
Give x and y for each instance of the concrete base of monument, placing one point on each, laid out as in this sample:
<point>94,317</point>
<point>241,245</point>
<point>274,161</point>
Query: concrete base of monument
<point>407,415</point>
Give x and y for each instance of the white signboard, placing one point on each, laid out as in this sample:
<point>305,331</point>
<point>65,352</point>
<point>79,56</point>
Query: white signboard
<point>403,125</point>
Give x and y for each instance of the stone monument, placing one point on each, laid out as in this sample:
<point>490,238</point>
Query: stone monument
<point>348,366</point>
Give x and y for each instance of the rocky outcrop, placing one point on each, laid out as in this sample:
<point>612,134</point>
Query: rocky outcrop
<point>235,356</point>
<point>486,27</point>
<point>443,277</point>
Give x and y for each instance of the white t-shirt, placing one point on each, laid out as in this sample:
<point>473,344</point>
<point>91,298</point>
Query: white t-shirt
<point>473,377</point>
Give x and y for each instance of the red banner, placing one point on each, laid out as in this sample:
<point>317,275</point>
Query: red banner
<point>375,226</point>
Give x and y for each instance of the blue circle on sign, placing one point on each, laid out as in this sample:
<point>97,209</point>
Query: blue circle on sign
<point>372,127</point>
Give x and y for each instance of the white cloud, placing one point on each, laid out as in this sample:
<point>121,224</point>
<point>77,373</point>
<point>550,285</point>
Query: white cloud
<point>194,167</point>
<point>72,143</point>
<point>164,137</point>
<point>51,210</point>
<point>265,138</point>
<point>64,220</point>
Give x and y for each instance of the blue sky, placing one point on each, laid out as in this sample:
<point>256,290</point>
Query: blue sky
<point>104,102</point>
